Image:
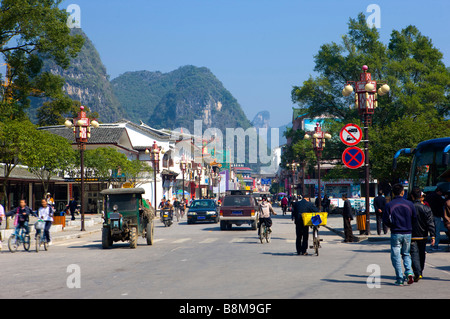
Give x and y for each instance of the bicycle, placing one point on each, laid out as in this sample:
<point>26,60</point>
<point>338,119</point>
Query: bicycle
<point>316,240</point>
<point>264,232</point>
<point>40,240</point>
<point>315,220</point>
<point>19,237</point>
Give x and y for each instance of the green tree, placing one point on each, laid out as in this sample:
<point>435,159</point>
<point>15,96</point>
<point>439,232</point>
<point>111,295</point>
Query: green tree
<point>104,161</point>
<point>16,138</point>
<point>50,155</point>
<point>57,111</point>
<point>410,64</point>
<point>138,172</point>
<point>31,31</point>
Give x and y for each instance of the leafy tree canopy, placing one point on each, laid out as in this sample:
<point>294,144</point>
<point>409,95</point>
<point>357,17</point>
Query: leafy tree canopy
<point>31,31</point>
<point>419,98</point>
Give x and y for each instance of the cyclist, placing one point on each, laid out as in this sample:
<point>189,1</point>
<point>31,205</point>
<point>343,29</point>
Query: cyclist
<point>265,210</point>
<point>22,216</point>
<point>45,212</point>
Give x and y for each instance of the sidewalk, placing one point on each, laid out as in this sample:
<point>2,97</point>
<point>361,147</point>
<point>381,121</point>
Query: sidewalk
<point>336,224</point>
<point>92,224</point>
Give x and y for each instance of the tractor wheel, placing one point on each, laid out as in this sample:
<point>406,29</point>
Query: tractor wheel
<point>149,234</point>
<point>106,238</point>
<point>133,238</point>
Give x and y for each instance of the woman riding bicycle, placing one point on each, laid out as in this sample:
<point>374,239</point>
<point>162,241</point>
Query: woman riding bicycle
<point>45,213</point>
<point>264,216</point>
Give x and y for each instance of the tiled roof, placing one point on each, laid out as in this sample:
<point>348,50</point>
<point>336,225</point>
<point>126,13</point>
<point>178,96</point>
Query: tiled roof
<point>101,135</point>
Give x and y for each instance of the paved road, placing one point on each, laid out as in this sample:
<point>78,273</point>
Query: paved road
<point>200,261</point>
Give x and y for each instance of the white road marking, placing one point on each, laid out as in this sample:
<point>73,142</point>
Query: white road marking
<point>181,240</point>
<point>209,240</point>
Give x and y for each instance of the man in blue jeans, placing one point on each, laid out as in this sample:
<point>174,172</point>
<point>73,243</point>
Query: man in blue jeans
<point>398,216</point>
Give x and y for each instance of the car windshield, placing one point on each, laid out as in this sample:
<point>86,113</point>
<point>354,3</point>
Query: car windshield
<point>203,204</point>
<point>124,202</point>
<point>237,201</point>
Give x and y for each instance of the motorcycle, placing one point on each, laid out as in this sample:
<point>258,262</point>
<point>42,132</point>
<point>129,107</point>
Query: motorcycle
<point>167,217</point>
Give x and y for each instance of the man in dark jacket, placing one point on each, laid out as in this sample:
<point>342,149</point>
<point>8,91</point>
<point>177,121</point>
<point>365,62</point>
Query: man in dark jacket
<point>423,225</point>
<point>379,203</point>
<point>347,214</point>
<point>437,202</point>
<point>399,216</point>
<point>302,231</point>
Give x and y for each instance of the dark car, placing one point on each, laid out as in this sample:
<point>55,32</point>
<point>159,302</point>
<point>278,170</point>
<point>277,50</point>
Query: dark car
<point>203,210</point>
<point>238,210</point>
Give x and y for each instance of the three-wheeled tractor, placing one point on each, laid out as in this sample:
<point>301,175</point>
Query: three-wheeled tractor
<point>126,216</point>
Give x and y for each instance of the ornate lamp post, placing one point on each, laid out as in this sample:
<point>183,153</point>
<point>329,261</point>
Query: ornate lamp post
<point>183,167</point>
<point>154,158</point>
<point>82,130</point>
<point>366,101</point>
<point>318,140</point>
<point>293,169</point>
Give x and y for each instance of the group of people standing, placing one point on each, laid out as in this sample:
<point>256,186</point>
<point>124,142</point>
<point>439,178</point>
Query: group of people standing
<point>412,223</point>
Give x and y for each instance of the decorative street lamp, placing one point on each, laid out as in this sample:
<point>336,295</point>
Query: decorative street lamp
<point>183,167</point>
<point>366,101</point>
<point>82,130</point>
<point>154,158</point>
<point>292,169</point>
<point>318,140</point>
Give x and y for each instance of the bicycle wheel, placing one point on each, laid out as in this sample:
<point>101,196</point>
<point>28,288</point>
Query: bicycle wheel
<point>38,242</point>
<point>13,243</point>
<point>316,241</point>
<point>262,230</point>
<point>26,242</point>
<point>268,235</point>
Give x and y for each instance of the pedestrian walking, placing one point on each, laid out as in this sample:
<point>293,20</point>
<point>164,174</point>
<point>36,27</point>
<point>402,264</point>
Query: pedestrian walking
<point>2,217</point>
<point>347,215</point>
<point>379,203</point>
<point>302,231</point>
<point>399,215</point>
<point>326,204</point>
<point>45,213</point>
<point>284,204</point>
<point>422,226</point>
<point>437,202</point>
<point>73,205</point>
<point>447,214</point>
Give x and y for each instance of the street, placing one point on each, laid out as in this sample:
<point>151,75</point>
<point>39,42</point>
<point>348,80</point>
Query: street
<point>201,262</point>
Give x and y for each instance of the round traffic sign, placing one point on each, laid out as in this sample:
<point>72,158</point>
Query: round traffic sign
<point>351,134</point>
<point>353,157</point>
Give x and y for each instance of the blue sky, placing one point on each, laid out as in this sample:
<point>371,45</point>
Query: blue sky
<point>259,49</point>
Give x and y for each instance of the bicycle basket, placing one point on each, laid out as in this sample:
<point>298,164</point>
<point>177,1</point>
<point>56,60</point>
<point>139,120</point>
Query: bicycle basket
<point>39,225</point>
<point>316,220</point>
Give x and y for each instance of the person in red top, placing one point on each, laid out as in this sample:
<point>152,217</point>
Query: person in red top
<point>284,204</point>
